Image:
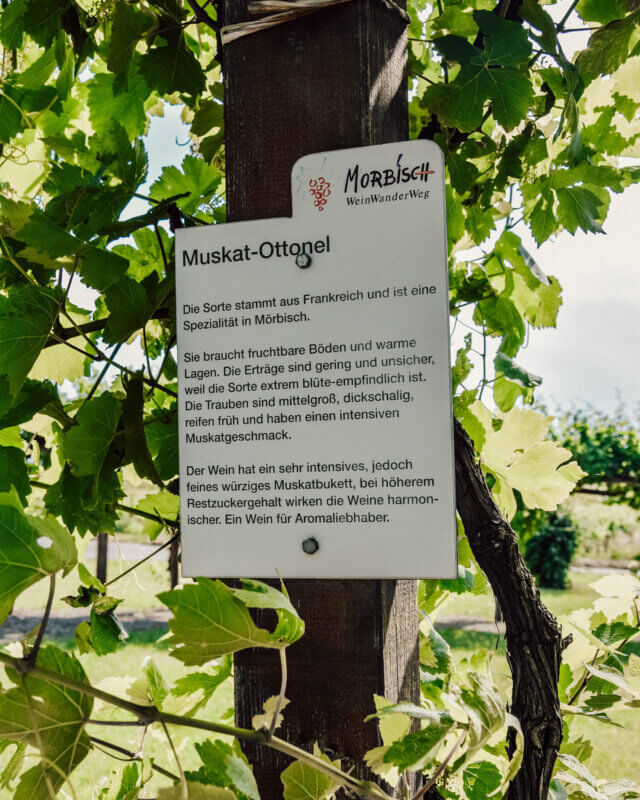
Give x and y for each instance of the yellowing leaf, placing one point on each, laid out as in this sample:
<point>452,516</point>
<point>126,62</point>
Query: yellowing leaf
<point>264,721</point>
<point>521,458</point>
<point>59,363</point>
<point>617,596</point>
<point>391,727</point>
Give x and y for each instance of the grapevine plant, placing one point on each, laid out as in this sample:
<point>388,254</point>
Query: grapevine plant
<point>530,137</point>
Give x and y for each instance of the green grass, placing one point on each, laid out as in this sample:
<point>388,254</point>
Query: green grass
<point>560,602</point>
<point>138,589</point>
<point>606,531</point>
<point>109,673</point>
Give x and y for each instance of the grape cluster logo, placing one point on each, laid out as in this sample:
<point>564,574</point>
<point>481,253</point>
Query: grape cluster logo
<point>319,189</point>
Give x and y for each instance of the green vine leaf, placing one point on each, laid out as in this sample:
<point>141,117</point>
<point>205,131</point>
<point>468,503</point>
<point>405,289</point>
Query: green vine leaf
<point>302,782</point>
<point>13,472</point>
<point>225,766</point>
<point>197,180</point>
<point>50,718</point>
<point>209,621</point>
<point>86,444</point>
<point>128,25</point>
<point>31,548</point>
<point>27,314</point>
<point>487,74</point>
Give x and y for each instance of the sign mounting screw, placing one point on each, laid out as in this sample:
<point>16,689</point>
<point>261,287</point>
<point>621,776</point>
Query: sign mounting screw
<point>303,260</point>
<point>310,545</point>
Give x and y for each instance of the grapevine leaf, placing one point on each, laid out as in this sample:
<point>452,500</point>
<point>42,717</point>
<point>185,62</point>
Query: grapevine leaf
<point>11,120</point>
<point>42,19</point>
<point>225,766</point>
<point>162,439</point>
<point>199,687</point>
<point>480,780</point>
<point>209,621</point>
<point>579,208</point>
<point>50,245</point>
<point>434,651</point>
<point>392,726</point>
<point>86,504</point>
<point>255,594</point>
<point>86,444</point>
<point>502,318</point>
<point>30,549</point>
<point>609,46</point>
<point>163,504</point>
<point>209,115</point>
<point>135,443</point>
<point>417,751</point>
<point>12,24</point>
<point>197,178</point>
<point>302,782</point>
<point>506,393</point>
<point>13,472</point>
<point>107,634</point>
<point>543,219</point>
<point>27,315</point>
<point>511,370</point>
<point>264,721</point>
<point>50,717</point>
<point>171,69</point>
<point>520,457</point>
<point>602,11</point>
<point>151,686</point>
<point>127,106</point>
<point>128,25</point>
<point>516,757</point>
<point>34,396</point>
<point>488,74</point>
<point>486,713</point>
<point>130,308</point>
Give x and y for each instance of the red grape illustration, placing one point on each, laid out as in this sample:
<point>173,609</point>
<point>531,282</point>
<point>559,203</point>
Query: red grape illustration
<point>320,189</point>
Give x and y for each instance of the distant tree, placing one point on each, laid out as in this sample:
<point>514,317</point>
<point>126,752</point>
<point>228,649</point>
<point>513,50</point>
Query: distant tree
<point>549,551</point>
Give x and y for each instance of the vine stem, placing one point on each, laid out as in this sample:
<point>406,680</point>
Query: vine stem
<point>33,654</point>
<point>100,377</point>
<point>152,714</point>
<point>133,757</point>
<point>283,690</point>
<point>176,758</point>
<point>441,768</point>
<point>142,560</point>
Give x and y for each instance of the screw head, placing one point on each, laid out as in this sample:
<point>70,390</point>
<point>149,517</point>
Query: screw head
<point>310,545</point>
<point>303,260</point>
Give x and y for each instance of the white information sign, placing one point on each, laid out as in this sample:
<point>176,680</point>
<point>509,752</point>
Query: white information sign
<point>314,378</point>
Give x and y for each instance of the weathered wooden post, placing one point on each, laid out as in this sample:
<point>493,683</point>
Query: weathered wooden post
<point>333,79</point>
<point>101,558</point>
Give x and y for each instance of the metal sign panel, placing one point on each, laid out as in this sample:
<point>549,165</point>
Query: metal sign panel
<point>314,378</point>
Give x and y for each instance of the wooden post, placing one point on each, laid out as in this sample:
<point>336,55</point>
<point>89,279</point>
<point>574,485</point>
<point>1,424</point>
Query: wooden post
<point>101,560</point>
<point>333,79</point>
<point>174,563</point>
